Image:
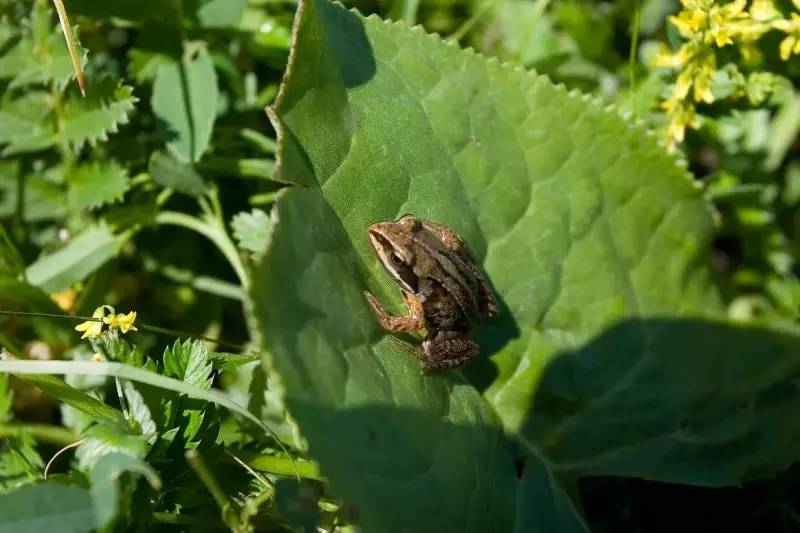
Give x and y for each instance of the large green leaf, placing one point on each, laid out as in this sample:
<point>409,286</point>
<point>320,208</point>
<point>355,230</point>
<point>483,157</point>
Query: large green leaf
<point>46,507</point>
<point>605,359</point>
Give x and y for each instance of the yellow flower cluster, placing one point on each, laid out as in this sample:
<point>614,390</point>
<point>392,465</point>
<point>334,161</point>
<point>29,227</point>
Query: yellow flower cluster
<point>707,26</point>
<point>115,321</point>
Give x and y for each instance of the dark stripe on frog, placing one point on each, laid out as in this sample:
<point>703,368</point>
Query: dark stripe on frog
<point>457,275</point>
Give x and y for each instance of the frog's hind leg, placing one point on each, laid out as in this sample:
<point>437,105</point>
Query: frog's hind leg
<point>414,321</point>
<point>446,350</point>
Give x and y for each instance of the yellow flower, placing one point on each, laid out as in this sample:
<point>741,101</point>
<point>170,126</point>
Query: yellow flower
<point>123,322</point>
<point>688,22</point>
<point>763,10</point>
<point>786,47</point>
<point>702,81</point>
<point>65,299</point>
<point>92,328</point>
<point>97,357</point>
<point>682,84</point>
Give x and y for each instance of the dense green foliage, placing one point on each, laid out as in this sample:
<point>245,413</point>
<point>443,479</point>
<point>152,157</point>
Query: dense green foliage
<point>648,288</point>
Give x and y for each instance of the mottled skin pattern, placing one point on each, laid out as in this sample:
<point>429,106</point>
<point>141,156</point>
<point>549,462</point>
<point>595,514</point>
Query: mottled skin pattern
<point>443,289</point>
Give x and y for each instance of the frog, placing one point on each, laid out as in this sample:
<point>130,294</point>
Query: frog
<point>443,289</point>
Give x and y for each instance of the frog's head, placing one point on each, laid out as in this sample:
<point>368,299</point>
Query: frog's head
<point>394,244</point>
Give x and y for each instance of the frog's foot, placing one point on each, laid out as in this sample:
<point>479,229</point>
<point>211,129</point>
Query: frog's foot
<point>446,350</point>
<point>414,321</point>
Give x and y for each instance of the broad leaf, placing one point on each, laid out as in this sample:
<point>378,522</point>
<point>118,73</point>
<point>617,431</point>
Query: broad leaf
<point>80,257</point>
<point>185,102</point>
<point>581,220</point>
<point>46,507</point>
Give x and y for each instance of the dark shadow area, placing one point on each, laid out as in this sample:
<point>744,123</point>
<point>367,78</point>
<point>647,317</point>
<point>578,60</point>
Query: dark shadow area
<point>347,39</point>
<point>411,470</point>
<point>620,505</point>
<point>492,335</point>
<point>688,405</point>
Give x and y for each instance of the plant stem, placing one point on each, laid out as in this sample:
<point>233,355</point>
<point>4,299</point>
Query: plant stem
<point>184,520</point>
<point>201,469</point>
<point>632,58</point>
<point>212,233</point>
<point>286,467</point>
<point>56,435</point>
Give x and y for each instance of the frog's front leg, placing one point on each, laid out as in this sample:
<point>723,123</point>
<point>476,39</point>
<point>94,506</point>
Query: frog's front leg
<point>448,349</point>
<point>413,321</point>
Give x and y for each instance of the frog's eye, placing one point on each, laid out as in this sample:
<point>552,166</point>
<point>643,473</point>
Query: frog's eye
<point>396,259</point>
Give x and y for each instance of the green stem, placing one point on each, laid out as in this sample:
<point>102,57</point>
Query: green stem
<point>147,327</point>
<point>632,58</point>
<point>213,233</point>
<point>184,520</point>
<point>201,469</point>
<point>286,467</point>
<point>462,30</point>
<point>55,435</point>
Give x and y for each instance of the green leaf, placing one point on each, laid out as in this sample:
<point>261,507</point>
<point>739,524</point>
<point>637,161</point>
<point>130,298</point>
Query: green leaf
<point>134,10</point>
<point>676,400</point>
<point>169,172</point>
<point>41,56</point>
<point>73,397</point>
<point>25,124</point>
<point>107,105</point>
<point>189,362</point>
<point>107,488</point>
<point>17,295</point>
<point>46,507</point>
<point>252,230</point>
<point>596,242</point>
<point>220,13</point>
<point>91,368</point>
<point>95,184</point>
<point>80,257</point>
<point>185,102</point>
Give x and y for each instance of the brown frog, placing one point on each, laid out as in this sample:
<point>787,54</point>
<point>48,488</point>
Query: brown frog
<point>444,290</point>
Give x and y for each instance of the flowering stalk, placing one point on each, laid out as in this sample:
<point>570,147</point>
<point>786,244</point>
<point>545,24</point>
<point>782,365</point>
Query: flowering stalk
<point>706,27</point>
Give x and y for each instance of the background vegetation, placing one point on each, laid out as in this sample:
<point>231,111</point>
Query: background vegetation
<point>155,194</point>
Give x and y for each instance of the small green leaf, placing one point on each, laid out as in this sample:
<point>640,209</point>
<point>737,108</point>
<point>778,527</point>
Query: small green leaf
<point>107,105</point>
<point>25,124</point>
<point>252,230</point>
<point>80,257</point>
<point>185,102</point>
<point>189,362</point>
<point>102,440</point>
<point>108,488</point>
<point>41,56</point>
<point>95,184</point>
<point>169,172</point>
<point>47,507</point>
<point>220,13</point>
